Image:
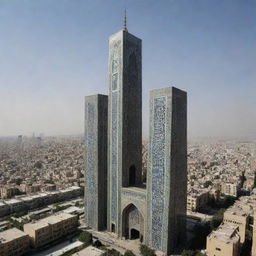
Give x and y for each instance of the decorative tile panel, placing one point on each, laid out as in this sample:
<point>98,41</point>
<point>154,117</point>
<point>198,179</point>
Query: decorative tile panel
<point>114,155</point>
<point>91,163</point>
<point>158,169</point>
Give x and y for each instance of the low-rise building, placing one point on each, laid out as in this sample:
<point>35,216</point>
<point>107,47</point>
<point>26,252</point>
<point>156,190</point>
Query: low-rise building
<point>230,189</point>
<point>89,251</point>
<point>50,229</point>
<point>4,209</point>
<point>197,200</point>
<point>238,216</point>
<point>254,236</point>
<point>224,241</point>
<point>13,242</point>
<point>8,191</point>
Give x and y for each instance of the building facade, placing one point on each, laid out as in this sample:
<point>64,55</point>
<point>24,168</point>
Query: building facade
<point>13,242</point>
<point>154,212</point>
<point>96,116</point>
<point>224,241</point>
<point>50,229</point>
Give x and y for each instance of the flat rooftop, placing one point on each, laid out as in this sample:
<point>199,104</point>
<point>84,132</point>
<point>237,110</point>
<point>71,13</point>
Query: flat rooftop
<point>89,251</point>
<point>10,234</point>
<point>49,220</point>
<point>225,233</point>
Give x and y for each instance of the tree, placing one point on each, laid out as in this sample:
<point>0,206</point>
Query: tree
<point>188,253</point>
<point>217,218</point>
<point>38,165</point>
<point>146,251</point>
<point>86,238</point>
<point>207,184</point>
<point>97,243</point>
<point>129,253</point>
<point>112,252</point>
<point>228,201</point>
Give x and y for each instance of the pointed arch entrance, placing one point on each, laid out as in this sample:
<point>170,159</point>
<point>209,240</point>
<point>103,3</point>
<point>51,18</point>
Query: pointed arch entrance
<point>132,223</point>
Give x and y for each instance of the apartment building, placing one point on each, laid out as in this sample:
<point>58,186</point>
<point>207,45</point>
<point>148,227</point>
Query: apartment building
<point>224,241</point>
<point>197,200</point>
<point>238,216</point>
<point>50,229</point>
<point>13,242</point>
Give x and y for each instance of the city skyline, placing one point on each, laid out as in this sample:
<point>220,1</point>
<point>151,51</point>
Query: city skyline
<point>54,54</point>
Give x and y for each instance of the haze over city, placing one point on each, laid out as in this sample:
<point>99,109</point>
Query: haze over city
<point>53,53</point>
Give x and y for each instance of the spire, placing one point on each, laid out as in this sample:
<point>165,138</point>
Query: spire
<point>125,27</point>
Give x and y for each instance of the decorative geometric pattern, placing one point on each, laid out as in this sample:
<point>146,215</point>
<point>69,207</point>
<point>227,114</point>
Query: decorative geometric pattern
<point>91,162</point>
<point>114,81</point>
<point>114,155</point>
<point>134,218</point>
<point>134,194</point>
<point>158,169</point>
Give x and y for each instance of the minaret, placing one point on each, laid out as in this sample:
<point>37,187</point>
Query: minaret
<point>125,120</point>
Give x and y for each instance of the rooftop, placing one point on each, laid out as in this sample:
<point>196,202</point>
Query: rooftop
<point>226,233</point>
<point>10,234</point>
<point>49,220</point>
<point>89,251</point>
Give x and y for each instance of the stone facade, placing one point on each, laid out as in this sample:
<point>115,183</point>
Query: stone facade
<point>96,116</point>
<point>167,169</point>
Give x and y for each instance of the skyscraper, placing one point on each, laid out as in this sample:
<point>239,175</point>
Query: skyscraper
<point>96,120</point>
<point>167,169</point>
<point>156,214</point>
<point>125,120</point>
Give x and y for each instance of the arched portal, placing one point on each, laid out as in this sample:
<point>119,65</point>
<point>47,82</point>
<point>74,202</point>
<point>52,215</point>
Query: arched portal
<point>133,223</point>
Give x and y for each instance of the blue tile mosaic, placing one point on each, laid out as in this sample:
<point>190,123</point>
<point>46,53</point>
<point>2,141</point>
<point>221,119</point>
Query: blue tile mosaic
<point>158,169</point>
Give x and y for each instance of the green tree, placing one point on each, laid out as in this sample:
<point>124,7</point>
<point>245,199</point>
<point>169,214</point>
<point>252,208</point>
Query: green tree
<point>217,218</point>
<point>146,251</point>
<point>207,183</point>
<point>129,253</point>
<point>188,253</point>
<point>97,243</point>
<point>86,238</point>
<point>112,252</point>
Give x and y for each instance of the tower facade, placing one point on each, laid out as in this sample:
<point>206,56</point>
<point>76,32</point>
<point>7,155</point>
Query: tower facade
<point>96,116</point>
<point>125,121</point>
<point>167,169</point>
<point>115,197</point>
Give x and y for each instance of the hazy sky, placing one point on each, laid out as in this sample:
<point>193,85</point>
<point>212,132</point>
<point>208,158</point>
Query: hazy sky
<point>54,52</point>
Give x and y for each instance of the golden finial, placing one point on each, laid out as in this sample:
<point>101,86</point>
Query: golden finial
<point>125,27</point>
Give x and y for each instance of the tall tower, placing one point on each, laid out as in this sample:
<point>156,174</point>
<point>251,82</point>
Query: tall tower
<point>125,120</point>
<point>96,116</point>
<point>167,169</point>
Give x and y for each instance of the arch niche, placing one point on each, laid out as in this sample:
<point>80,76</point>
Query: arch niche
<point>132,223</point>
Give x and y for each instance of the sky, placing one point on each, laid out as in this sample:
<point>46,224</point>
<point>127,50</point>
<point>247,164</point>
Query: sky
<point>55,52</point>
